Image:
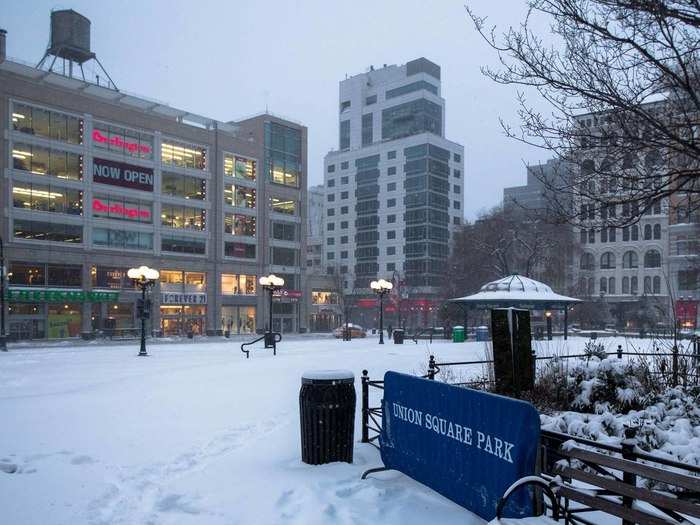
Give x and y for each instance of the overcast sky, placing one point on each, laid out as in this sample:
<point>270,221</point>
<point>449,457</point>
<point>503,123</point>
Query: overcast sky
<point>231,59</point>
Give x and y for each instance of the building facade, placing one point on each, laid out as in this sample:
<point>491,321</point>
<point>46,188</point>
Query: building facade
<point>625,269</point>
<point>394,189</point>
<point>96,181</point>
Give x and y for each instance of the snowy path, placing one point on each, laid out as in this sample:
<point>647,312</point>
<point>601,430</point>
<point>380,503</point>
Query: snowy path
<point>194,434</point>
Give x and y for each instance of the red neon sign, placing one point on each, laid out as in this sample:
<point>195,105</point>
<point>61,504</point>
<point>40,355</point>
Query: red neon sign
<point>118,209</point>
<point>131,147</point>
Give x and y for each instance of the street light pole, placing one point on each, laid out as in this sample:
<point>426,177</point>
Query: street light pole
<point>272,283</point>
<point>3,337</point>
<point>144,277</point>
<point>381,288</point>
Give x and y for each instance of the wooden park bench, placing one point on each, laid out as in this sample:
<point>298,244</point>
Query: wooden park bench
<point>611,487</point>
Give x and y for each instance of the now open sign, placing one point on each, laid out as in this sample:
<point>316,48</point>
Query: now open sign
<point>468,445</point>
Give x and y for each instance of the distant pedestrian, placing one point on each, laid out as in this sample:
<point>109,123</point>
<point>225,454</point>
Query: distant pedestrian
<point>389,331</point>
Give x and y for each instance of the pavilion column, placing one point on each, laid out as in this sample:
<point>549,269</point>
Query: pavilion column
<point>566,322</point>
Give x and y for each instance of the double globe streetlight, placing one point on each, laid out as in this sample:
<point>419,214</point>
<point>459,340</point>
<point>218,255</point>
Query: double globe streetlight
<point>271,283</point>
<point>381,288</point>
<point>144,277</point>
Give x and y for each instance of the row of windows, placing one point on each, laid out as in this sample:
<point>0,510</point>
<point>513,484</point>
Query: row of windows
<point>46,161</point>
<point>44,197</point>
<point>629,233</point>
<point>630,285</point>
<point>630,259</point>
<point>605,211</point>
<point>48,124</point>
<point>183,217</point>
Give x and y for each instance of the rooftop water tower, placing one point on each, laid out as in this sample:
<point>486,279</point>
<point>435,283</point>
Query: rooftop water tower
<point>70,42</point>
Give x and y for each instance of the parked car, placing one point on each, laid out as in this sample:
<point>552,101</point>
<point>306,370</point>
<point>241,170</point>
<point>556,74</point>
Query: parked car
<point>355,331</point>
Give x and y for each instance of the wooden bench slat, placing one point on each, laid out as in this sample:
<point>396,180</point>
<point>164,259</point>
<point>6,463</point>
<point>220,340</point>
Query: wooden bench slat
<point>616,509</point>
<point>641,494</point>
<point>625,465</point>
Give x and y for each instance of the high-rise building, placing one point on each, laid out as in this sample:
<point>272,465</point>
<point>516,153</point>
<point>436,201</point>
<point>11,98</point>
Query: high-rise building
<point>96,181</point>
<point>537,197</point>
<point>394,189</point>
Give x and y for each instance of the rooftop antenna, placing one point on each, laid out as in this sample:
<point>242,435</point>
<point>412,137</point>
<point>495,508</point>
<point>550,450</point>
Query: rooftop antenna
<point>70,41</point>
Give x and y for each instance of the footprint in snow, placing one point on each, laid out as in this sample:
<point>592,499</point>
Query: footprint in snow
<point>177,503</point>
<point>82,460</point>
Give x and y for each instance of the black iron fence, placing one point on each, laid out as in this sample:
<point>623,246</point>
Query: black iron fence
<point>550,441</point>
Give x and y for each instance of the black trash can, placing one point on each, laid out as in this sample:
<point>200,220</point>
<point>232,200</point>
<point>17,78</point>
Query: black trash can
<point>398,336</point>
<point>327,410</point>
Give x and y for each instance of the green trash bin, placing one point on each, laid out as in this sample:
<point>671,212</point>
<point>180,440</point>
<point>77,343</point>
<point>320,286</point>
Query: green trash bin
<point>458,334</point>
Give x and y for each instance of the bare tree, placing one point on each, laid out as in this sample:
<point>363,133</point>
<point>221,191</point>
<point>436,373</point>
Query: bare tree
<point>622,78</point>
<point>501,243</point>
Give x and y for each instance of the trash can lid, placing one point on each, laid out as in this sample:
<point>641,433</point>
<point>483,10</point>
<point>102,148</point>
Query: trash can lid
<point>328,376</point>
<point>458,327</point>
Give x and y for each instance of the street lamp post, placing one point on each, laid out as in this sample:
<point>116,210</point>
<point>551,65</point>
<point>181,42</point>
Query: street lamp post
<point>271,283</point>
<point>548,315</point>
<point>381,288</point>
<point>144,277</point>
<point>3,336</point>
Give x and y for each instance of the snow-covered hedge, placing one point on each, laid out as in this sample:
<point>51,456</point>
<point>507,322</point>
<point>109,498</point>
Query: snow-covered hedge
<point>605,395</point>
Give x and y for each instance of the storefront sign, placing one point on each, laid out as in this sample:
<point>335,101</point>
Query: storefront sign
<point>183,298</point>
<point>468,445</point>
<point>122,174</point>
<point>288,294</point>
<point>117,141</point>
<point>61,296</point>
<point>100,206</point>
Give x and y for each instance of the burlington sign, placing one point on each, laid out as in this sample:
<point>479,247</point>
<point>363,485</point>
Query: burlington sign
<point>122,174</point>
<point>468,445</point>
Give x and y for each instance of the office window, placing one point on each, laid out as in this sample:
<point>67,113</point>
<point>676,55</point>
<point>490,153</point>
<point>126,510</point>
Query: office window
<point>391,170</point>
<point>330,197</point>
<point>345,105</point>
<point>391,186</point>
<point>391,155</point>
<point>344,180</point>
<point>47,123</point>
<point>239,167</point>
<point>344,165</point>
<point>344,239</point>
<point>284,231</point>
<point>239,250</point>
<point>457,205</point>
<point>391,250</point>
<point>235,284</point>
<point>343,225</point>
<point>330,212</point>
<point>457,173</point>
<point>410,88</point>
<point>390,203</point>
<point>391,234</point>
<point>372,99</point>
<point>390,219</point>
<point>130,240</point>
<point>411,118</point>
<point>284,256</point>
<point>45,161</point>
<point>457,188</point>
<point>123,141</point>
<point>343,195</point>
<point>239,196</point>
<point>283,154</point>
<point>345,135</point>
<point>344,254</point>
<point>330,226</point>
<point>457,157</point>
<point>43,197</point>
<point>47,231</point>
<point>285,206</point>
<point>330,241</point>
<point>237,224</point>
<point>176,216</point>
<point>183,155</point>
<point>331,168</point>
<point>390,267</point>
<point>367,131</point>
<point>122,208</point>
<point>343,210</point>
<point>331,183</point>
<point>182,245</point>
<point>183,186</point>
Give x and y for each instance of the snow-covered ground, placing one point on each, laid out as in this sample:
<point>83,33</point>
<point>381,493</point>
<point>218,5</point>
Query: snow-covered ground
<point>197,434</point>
